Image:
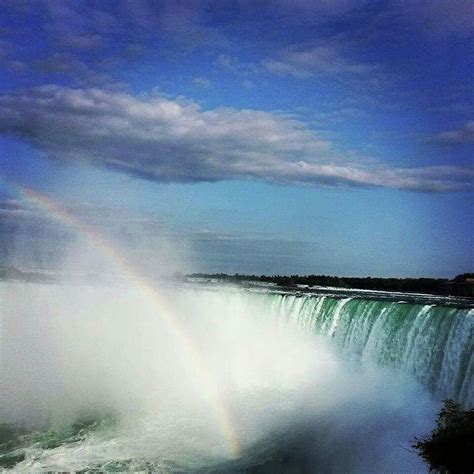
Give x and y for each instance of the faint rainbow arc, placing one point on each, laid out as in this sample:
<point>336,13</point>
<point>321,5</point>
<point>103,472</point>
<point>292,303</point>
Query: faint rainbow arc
<point>151,294</point>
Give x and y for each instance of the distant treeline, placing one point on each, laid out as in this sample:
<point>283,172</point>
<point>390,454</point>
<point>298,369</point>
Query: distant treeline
<point>462,285</point>
<point>11,273</point>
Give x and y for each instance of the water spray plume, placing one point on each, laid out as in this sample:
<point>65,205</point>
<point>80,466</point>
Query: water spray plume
<point>150,294</point>
<point>116,374</point>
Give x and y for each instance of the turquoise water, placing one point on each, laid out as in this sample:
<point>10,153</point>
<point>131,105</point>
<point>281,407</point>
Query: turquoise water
<point>433,342</point>
<point>231,380</point>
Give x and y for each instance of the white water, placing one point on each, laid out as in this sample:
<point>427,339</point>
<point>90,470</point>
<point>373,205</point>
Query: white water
<point>435,343</point>
<point>69,351</point>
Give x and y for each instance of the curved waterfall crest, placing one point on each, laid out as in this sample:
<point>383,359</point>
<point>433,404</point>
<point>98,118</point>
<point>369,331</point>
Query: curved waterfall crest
<point>434,343</point>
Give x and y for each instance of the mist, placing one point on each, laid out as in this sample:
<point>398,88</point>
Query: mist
<point>35,239</point>
<point>76,351</point>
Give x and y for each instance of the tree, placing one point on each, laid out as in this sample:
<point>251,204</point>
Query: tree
<point>450,446</point>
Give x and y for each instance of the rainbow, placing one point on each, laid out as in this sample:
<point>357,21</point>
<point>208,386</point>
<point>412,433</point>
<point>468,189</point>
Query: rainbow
<point>155,299</point>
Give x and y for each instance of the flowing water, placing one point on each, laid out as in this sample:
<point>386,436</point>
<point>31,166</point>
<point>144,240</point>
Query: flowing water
<point>223,379</point>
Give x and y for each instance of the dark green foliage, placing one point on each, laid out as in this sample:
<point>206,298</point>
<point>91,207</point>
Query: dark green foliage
<point>463,277</point>
<point>450,447</point>
<point>456,286</point>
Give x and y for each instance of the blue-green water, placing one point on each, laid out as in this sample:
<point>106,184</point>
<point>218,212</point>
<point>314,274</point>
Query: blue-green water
<point>431,341</point>
<point>103,378</point>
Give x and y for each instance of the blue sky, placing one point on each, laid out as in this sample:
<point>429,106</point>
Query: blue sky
<point>327,137</point>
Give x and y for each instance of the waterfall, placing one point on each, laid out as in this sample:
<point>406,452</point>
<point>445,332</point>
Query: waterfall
<point>92,378</point>
<point>434,343</point>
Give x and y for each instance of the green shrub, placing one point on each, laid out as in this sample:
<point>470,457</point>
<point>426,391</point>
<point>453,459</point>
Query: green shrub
<point>450,446</point>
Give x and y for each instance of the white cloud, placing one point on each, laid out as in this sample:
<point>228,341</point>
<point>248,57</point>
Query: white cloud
<point>13,208</point>
<point>201,81</point>
<point>304,63</point>
<point>176,141</point>
<point>456,136</point>
<point>234,65</point>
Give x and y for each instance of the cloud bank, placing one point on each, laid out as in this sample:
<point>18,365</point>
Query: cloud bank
<point>304,63</point>
<point>456,136</point>
<point>166,140</point>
